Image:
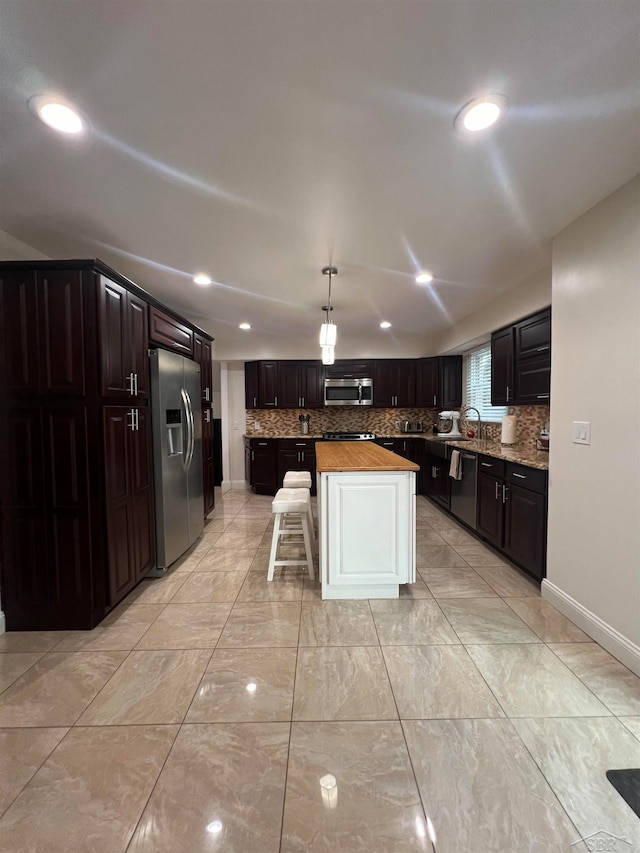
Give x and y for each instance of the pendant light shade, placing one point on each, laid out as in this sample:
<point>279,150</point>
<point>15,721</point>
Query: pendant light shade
<point>328,355</point>
<point>328,334</point>
<point>328,330</point>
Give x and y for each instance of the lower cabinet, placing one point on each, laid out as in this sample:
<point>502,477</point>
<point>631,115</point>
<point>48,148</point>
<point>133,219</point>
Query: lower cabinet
<point>297,455</point>
<point>208,472</point>
<point>129,497</point>
<point>262,465</point>
<point>438,483</point>
<point>512,513</point>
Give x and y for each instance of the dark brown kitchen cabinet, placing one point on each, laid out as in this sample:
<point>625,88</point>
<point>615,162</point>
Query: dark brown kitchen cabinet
<point>43,333</point>
<point>521,362</point>
<point>76,488</point>
<point>263,465</point>
<point>502,386</point>
<point>512,512</point>
<point>129,496</point>
<point>439,382</point>
<point>300,384</point>
<point>251,392</point>
<point>394,384</point>
<point>350,368</point>
<point>170,333</point>
<point>438,480</point>
<point>124,342</point>
<point>296,455</point>
<point>202,356</point>
<point>268,384</point>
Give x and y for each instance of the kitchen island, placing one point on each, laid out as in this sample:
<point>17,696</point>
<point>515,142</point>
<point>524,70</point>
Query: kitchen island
<point>366,520</point>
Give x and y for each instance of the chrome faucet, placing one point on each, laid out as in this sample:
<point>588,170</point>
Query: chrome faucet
<point>463,412</point>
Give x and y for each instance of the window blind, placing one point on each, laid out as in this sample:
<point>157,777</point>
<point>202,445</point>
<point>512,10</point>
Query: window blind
<point>477,388</point>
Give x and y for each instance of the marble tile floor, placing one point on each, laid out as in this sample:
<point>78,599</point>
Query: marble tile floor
<point>213,711</point>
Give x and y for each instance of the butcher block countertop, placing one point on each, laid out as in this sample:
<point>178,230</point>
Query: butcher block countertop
<point>332,456</point>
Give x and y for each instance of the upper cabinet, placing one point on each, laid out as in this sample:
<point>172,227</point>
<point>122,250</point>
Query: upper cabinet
<point>124,341</point>
<point>439,382</point>
<point>284,384</point>
<point>170,333</point>
<point>521,362</point>
<point>350,368</point>
<point>394,384</point>
<point>42,339</point>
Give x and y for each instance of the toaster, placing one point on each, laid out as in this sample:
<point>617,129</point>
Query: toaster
<point>411,426</point>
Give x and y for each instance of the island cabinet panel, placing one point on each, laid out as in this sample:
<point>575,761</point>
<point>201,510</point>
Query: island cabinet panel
<point>366,533</point>
<point>168,332</point>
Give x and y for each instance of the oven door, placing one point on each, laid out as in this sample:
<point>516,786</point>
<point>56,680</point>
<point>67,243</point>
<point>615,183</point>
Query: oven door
<point>348,392</point>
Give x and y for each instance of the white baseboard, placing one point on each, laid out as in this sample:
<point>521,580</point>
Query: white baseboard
<point>234,484</point>
<point>3,623</point>
<point>613,641</point>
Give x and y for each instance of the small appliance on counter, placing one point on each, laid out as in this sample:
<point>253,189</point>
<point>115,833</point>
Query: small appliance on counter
<point>508,431</point>
<point>410,426</point>
<point>349,436</point>
<point>304,424</point>
<point>448,425</point>
<point>542,443</point>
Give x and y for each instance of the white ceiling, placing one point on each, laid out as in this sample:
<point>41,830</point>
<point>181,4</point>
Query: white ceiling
<point>259,140</point>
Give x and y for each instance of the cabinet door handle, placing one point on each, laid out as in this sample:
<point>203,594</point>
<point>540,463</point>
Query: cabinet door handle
<point>434,400</point>
<point>301,443</point>
<point>253,455</point>
<point>487,464</point>
<point>303,402</point>
<point>508,389</point>
<point>275,401</point>
<point>542,349</point>
<point>130,378</point>
<point>302,455</point>
<point>255,403</point>
<point>520,476</point>
<point>207,414</point>
<point>262,443</point>
<point>132,425</point>
<point>207,395</point>
<point>505,491</point>
<point>543,396</point>
<point>497,489</point>
<point>137,420</point>
<point>135,376</point>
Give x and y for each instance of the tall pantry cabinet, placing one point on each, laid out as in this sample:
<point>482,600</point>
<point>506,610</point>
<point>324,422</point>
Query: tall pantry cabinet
<point>76,475</point>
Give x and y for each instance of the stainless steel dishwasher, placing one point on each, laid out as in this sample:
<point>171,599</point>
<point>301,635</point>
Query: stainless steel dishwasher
<point>463,492</point>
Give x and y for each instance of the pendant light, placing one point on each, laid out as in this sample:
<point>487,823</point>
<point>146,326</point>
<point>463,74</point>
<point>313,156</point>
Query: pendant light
<point>328,330</point>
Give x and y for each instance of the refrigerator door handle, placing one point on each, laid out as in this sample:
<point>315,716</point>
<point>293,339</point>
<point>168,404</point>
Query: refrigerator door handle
<point>186,402</point>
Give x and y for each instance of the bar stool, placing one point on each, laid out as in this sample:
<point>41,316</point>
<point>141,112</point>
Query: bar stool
<point>300,480</point>
<point>291,502</point>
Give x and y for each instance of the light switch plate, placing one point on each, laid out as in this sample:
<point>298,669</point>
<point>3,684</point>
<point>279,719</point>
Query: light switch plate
<point>582,432</point>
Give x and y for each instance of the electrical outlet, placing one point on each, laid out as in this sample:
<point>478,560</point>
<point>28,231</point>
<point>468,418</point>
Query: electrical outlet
<point>256,425</point>
<point>582,432</point>
<point>236,425</point>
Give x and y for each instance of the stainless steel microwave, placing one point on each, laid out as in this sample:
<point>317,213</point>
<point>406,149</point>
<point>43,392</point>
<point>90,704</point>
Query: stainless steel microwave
<point>348,392</point>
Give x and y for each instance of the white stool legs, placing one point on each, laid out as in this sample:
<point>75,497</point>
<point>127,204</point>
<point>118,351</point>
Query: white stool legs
<point>296,504</point>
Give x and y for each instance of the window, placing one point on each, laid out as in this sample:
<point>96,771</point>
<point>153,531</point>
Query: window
<point>477,384</point>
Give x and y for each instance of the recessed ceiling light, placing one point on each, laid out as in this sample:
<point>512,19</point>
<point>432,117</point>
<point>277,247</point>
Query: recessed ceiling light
<point>385,324</point>
<point>424,277</point>
<point>201,278</point>
<point>480,113</point>
<point>55,114</point>
<point>244,326</point>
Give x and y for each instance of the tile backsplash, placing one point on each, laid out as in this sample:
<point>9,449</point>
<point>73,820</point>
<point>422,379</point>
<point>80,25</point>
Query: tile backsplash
<point>275,422</point>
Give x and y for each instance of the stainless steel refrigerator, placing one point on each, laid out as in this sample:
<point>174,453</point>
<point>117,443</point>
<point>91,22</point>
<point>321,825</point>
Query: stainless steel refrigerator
<point>177,454</point>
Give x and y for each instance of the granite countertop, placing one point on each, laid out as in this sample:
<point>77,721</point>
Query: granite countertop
<point>512,453</point>
<point>334,456</point>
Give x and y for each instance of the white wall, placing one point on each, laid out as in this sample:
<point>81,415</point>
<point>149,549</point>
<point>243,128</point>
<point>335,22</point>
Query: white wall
<point>233,422</point>
<point>526,298</point>
<point>594,499</point>
<point>15,250</point>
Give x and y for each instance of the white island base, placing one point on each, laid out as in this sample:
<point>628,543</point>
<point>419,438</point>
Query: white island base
<point>366,532</point>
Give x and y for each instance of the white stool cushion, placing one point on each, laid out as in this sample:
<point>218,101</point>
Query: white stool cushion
<point>291,500</point>
<point>297,480</point>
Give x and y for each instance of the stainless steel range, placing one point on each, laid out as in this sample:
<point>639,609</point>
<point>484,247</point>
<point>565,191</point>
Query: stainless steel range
<point>349,436</point>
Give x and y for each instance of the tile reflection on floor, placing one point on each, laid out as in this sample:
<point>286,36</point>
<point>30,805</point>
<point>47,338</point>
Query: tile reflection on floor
<point>214,711</point>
